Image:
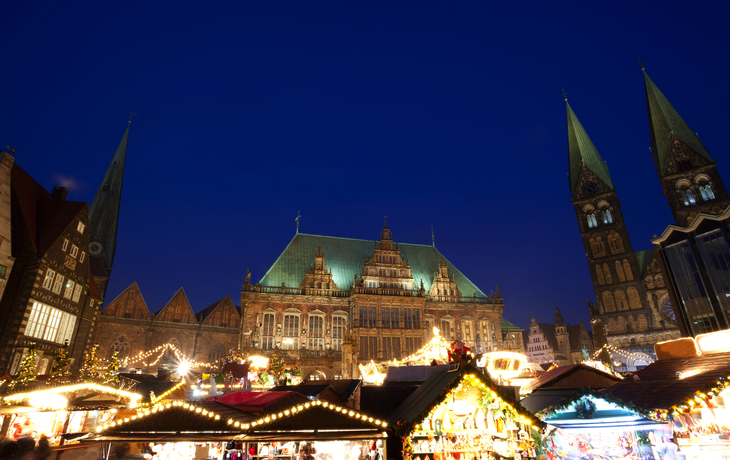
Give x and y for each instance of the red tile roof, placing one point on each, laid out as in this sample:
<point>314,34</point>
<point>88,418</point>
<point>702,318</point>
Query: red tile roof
<point>667,382</point>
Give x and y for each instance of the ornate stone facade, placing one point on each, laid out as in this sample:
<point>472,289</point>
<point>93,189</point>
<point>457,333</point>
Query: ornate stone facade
<point>50,296</point>
<point>629,300</point>
<point>557,343</point>
<point>363,301</point>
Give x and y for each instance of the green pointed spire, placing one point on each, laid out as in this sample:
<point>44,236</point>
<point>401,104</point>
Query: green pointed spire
<point>582,151</point>
<point>664,122</point>
<point>104,213</point>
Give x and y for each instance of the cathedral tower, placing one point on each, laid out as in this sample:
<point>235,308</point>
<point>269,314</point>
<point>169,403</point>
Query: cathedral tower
<point>104,218</point>
<point>688,173</point>
<point>622,303</point>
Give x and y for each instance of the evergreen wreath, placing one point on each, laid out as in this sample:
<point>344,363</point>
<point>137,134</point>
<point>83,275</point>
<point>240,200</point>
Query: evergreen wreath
<point>585,408</point>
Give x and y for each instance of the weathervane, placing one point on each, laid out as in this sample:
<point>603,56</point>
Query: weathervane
<point>433,240</point>
<point>565,95</point>
<point>641,63</point>
<point>297,221</point>
<point>132,114</point>
<point>385,221</point>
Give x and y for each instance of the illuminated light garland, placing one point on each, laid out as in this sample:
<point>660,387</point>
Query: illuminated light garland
<point>407,428</point>
<point>701,398</point>
<point>159,407</point>
<point>307,406</point>
<point>133,397</point>
<point>624,353</point>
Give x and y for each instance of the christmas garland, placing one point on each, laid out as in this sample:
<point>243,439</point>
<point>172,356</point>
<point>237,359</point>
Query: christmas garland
<point>585,408</point>
<point>404,428</point>
<point>581,395</point>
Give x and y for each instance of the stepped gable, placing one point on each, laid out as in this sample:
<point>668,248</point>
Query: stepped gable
<point>222,314</point>
<point>177,310</point>
<point>346,257</point>
<point>128,304</point>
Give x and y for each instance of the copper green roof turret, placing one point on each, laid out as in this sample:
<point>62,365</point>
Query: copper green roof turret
<point>581,151</point>
<point>665,122</point>
<point>104,213</point>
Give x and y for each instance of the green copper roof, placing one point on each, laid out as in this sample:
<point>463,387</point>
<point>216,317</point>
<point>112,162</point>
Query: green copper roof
<point>664,122</point>
<point>507,326</point>
<point>104,213</point>
<point>582,151</point>
<point>345,257</point>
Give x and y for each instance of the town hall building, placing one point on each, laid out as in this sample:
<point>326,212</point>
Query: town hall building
<point>333,303</point>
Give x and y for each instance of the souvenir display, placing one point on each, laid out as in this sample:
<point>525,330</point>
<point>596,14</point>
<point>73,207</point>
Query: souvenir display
<point>472,422</point>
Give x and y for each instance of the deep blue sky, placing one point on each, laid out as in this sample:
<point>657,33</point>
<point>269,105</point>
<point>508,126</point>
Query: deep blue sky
<point>432,113</point>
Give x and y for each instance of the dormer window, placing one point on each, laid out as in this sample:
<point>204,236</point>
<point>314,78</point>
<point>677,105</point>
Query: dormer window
<point>81,227</point>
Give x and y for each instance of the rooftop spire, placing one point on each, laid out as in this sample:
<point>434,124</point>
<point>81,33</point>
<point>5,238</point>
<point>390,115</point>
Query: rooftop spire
<point>665,122</point>
<point>104,213</point>
<point>581,151</point>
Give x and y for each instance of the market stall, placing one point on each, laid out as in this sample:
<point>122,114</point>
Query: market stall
<point>316,429</point>
<point>61,411</point>
<point>209,429</point>
<point>590,426</point>
<point>461,414</point>
<point>688,386</point>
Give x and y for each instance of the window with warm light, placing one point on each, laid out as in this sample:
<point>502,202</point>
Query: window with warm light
<point>48,323</point>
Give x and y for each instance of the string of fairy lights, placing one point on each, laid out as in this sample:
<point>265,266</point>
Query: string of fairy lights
<point>624,353</point>
<point>698,400</point>
<point>143,356</point>
<point>293,410</point>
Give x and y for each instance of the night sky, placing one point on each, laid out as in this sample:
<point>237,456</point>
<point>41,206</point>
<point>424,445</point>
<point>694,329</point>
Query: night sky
<point>432,113</point>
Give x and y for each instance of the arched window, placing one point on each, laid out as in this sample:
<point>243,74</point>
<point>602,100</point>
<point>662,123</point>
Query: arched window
<point>120,345</point>
<point>267,331</point>
<point>467,331</point>
<point>621,303</point>
<point>599,275</point>
<point>615,242</point>
<point>338,331</point>
<point>592,222</point>
<point>634,300</point>
<point>597,246</point>
<point>608,302</point>
<point>216,355</point>
<point>292,328</point>
<point>607,274</point>
<point>686,195</point>
<point>627,270</point>
<point>620,272</point>
<point>316,332</point>
<point>707,192</point>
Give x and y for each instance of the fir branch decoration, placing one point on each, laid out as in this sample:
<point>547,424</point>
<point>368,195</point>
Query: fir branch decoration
<point>568,402</point>
<point>110,376</point>
<point>26,372</point>
<point>61,370</point>
<point>88,370</point>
